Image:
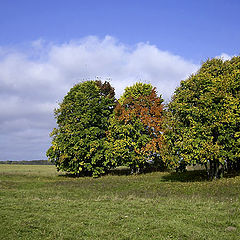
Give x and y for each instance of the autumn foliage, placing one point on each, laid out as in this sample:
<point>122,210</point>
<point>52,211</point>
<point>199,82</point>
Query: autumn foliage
<point>135,131</point>
<point>200,125</point>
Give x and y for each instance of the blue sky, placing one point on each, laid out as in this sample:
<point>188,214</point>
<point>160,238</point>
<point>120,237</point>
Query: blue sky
<point>193,29</point>
<point>48,46</point>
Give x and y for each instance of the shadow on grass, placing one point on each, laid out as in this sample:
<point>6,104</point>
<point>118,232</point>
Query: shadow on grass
<point>193,176</point>
<point>119,171</point>
<point>232,175</point>
<point>69,175</point>
<point>188,176</point>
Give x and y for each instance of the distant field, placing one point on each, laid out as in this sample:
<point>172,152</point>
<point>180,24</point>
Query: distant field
<point>38,203</point>
<point>31,162</point>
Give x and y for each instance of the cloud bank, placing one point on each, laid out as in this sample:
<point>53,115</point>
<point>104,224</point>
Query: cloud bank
<point>34,79</point>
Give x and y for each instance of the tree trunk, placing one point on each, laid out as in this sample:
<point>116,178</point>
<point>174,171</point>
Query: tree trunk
<point>214,171</point>
<point>207,169</point>
<point>210,172</point>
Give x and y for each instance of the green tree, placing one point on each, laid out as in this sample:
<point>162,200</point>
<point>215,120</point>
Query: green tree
<point>203,119</point>
<point>78,143</point>
<point>135,91</point>
<point>135,129</point>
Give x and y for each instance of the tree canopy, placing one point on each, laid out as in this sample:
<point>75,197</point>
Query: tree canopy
<point>203,119</point>
<point>78,144</point>
<point>135,128</point>
<point>200,125</point>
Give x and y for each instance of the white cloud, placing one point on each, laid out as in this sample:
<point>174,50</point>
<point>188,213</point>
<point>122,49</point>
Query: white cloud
<point>224,56</point>
<point>33,80</point>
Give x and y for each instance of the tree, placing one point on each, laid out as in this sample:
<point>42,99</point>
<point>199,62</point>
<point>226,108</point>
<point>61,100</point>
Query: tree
<point>203,119</point>
<point>136,127</point>
<point>78,144</point>
<point>135,91</point>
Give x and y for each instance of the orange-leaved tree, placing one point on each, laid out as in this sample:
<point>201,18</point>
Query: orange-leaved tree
<point>135,130</point>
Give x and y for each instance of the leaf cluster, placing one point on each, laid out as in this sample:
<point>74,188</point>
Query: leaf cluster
<point>135,131</point>
<point>95,134</point>
<point>78,143</point>
<point>202,124</point>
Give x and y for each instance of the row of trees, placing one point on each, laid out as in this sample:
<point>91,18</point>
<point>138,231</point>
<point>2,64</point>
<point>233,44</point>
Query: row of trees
<point>96,132</point>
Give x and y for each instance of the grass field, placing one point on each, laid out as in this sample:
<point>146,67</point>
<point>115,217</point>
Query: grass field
<point>37,203</point>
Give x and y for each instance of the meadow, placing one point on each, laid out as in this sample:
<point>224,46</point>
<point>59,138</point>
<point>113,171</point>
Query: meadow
<point>39,203</point>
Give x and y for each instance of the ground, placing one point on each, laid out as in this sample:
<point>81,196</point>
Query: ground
<point>39,203</point>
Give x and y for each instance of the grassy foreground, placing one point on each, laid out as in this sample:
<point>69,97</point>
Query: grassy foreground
<point>37,203</point>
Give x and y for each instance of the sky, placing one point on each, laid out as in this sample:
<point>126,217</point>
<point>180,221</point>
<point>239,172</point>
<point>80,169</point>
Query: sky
<point>47,46</point>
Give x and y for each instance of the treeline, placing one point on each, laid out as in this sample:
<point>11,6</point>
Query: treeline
<point>32,162</point>
<point>200,125</point>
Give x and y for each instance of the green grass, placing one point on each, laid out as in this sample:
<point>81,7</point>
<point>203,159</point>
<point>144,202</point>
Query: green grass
<point>37,203</point>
